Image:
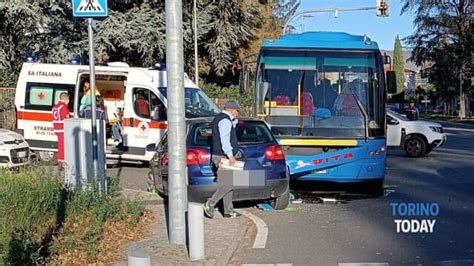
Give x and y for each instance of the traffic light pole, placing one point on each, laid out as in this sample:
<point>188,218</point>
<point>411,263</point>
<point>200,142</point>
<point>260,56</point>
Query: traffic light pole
<point>177,186</point>
<point>381,8</point>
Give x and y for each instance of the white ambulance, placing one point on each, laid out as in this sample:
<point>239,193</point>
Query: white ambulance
<point>136,96</point>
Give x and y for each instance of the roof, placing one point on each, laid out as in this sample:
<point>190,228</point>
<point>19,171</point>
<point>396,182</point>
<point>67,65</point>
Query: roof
<point>336,40</point>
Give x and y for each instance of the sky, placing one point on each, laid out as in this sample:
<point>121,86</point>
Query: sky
<point>383,30</point>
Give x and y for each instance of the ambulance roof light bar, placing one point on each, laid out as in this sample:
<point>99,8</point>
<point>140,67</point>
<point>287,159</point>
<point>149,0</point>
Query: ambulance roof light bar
<point>75,60</point>
<point>31,58</point>
<point>159,66</point>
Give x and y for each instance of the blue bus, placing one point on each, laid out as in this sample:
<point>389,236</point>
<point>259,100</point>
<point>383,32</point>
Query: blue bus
<point>324,96</point>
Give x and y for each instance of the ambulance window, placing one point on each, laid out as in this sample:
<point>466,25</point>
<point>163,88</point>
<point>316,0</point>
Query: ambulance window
<point>145,101</point>
<point>41,96</point>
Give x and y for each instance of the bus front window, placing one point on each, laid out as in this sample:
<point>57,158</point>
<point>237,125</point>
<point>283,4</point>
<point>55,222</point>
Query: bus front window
<point>336,97</point>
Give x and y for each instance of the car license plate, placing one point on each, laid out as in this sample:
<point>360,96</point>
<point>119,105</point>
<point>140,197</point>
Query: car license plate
<point>21,154</point>
<point>321,171</point>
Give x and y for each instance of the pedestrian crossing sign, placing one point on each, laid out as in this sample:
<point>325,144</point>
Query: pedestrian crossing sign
<point>89,8</point>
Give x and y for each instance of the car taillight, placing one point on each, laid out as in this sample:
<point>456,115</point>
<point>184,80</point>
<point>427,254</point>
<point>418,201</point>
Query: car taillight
<point>274,153</point>
<point>197,156</point>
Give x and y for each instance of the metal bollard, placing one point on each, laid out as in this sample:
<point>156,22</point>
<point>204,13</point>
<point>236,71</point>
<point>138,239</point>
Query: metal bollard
<point>196,231</point>
<point>139,259</point>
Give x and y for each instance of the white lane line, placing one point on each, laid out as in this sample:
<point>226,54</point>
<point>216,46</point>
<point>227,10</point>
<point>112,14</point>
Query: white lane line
<point>459,129</point>
<point>262,230</point>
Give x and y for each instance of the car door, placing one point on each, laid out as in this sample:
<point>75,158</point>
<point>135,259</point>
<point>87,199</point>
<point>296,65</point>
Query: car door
<point>394,131</point>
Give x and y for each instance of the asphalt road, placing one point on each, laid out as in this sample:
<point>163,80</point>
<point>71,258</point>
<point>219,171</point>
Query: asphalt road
<point>361,228</point>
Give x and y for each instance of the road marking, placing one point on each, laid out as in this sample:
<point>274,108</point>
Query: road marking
<point>262,230</point>
<point>459,129</point>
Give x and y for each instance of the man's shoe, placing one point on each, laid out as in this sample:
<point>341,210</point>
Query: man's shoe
<point>208,209</point>
<point>232,214</point>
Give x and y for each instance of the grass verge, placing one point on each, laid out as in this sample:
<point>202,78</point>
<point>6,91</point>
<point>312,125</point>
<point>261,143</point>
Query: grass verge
<point>42,222</point>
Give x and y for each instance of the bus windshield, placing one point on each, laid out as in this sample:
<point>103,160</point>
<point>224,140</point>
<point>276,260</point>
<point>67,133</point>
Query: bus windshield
<point>321,94</point>
<point>197,104</point>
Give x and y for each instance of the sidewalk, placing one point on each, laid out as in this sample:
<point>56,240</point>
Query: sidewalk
<point>222,237</point>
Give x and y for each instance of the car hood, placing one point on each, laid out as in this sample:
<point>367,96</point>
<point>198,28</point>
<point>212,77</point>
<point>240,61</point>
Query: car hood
<point>423,123</point>
<point>10,136</point>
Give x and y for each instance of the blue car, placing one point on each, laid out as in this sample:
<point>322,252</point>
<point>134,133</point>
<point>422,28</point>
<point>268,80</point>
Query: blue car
<point>258,149</point>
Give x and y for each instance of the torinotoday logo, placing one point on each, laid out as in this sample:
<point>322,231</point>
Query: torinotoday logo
<point>414,217</point>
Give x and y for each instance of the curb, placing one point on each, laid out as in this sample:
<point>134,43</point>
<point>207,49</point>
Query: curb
<point>236,245</point>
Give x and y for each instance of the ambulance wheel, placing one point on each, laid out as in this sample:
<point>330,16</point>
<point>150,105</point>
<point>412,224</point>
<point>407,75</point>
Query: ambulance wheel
<point>46,156</point>
<point>281,202</point>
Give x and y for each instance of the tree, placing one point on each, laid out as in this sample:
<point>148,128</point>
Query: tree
<point>399,65</point>
<point>133,32</point>
<point>19,26</point>
<point>443,41</point>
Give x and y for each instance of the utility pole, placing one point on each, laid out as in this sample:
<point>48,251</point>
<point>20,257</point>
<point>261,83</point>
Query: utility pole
<point>196,67</point>
<point>462,103</point>
<point>95,163</point>
<point>176,122</point>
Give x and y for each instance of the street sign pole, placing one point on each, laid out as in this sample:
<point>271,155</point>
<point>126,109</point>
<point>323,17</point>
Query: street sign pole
<point>92,97</point>
<point>92,9</point>
<point>176,123</point>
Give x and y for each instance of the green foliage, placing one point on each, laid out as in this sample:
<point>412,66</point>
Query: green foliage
<point>283,9</point>
<point>399,64</point>
<point>227,93</point>
<point>443,40</point>
<point>40,216</point>
<point>7,78</point>
<point>31,204</point>
<point>134,32</point>
<point>86,215</point>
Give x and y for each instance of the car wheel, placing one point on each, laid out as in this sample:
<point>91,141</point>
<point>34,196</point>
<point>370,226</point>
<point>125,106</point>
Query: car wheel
<point>415,146</point>
<point>281,202</point>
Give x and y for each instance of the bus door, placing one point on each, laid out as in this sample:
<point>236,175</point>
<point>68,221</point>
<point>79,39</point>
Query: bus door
<point>144,120</point>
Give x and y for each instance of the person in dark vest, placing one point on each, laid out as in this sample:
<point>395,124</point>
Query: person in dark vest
<point>224,145</point>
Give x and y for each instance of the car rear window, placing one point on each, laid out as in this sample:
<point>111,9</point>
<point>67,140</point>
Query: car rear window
<point>248,133</point>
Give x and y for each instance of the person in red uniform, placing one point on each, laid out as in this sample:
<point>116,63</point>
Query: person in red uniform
<point>60,112</point>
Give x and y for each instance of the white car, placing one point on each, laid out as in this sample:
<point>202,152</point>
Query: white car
<point>14,150</point>
<point>416,137</point>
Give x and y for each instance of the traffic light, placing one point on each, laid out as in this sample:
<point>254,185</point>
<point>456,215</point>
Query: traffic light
<point>382,8</point>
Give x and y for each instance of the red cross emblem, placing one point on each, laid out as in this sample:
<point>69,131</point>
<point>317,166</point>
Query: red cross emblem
<point>41,96</point>
<point>143,127</point>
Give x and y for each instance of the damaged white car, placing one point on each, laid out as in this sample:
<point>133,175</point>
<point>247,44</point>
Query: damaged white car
<point>14,150</point>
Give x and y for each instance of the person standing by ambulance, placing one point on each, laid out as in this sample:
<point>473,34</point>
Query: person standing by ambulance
<point>60,112</point>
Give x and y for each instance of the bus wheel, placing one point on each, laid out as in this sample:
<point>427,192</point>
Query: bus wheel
<point>281,202</point>
<point>46,156</point>
<point>415,146</point>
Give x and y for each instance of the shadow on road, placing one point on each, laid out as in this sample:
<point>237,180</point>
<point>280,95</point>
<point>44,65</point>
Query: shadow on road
<point>315,192</point>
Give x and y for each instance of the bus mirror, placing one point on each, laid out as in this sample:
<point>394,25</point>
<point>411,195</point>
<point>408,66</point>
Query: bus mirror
<point>391,82</point>
<point>387,60</point>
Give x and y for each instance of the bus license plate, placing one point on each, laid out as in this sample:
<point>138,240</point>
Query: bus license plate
<point>21,154</point>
